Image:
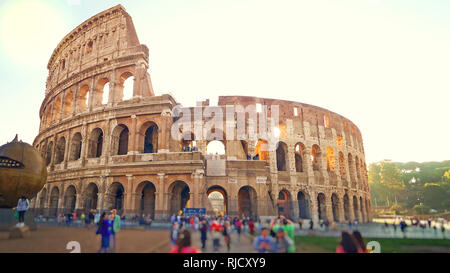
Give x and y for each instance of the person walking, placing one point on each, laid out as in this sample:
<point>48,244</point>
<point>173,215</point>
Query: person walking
<point>264,242</point>
<point>300,223</point>
<point>83,219</point>
<point>348,244</point>
<point>116,221</point>
<point>174,233</point>
<point>251,227</point>
<point>96,217</point>
<point>203,233</point>
<point>238,228</point>
<point>104,229</point>
<point>183,244</point>
<point>226,235</point>
<point>22,206</point>
<point>311,225</point>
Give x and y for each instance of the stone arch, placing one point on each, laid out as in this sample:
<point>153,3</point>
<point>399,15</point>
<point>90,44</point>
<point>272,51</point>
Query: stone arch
<point>247,201</point>
<point>316,157</point>
<point>357,169</point>
<point>304,208</point>
<point>57,109</point>
<point>150,134</point>
<point>43,200</point>
<point>221,204</point>
<point>335,207</point>
<point>75,146</point>
<point>342,165</point>
<point>355,208</point>
<point>346,203</point>
<point>91,196</point>
<point>68,104</point>
<point>101,95</point>
<point>331,161</point>
<point>281,153</point>
<point>350,167</point>
<point>361,208</point>
<point>179,196</point>
<point>262,149</point>
<point>285,204</point>
<point>114,198</point>
<point>48,157</point>
<point>321,206</point>
<point>70,199</point>
<point>119,137</point>
<point>146,191</point>
<point>299,155</point>
<point>95,143</point>
<point>125,86</point>
<point>54,202</point>
<point>60,150</point>
<point>83,98</point>
<point>368,209</point>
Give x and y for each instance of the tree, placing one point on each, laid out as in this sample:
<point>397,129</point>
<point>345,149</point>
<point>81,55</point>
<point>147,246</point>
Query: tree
<point>386,181</point>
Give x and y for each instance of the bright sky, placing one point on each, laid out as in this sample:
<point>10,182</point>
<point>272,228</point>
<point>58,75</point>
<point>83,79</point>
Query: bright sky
<point>383,64</point>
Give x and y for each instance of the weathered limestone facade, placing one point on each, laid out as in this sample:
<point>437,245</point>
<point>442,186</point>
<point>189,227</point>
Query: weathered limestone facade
<point>104,150</point>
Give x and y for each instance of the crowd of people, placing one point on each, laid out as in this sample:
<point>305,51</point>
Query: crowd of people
<point>415,223</point>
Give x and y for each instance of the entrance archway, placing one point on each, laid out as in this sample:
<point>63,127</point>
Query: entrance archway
<point>247,201</point>
<point>179,197</point>
<point>284,204</point>
<point>321,208</point>
<point>355,208</point>
<point>115,197</point>
<point>218,198</point>
<point>91,197</point>
<point>346,208</point>
<point>54,200</point>
<point>304,209</point>
<point>147,201</point>
<point>335,207</point>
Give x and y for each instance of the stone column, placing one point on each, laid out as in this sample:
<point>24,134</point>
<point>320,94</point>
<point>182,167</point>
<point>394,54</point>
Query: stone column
<point>84,143</point>
<point>314,208</point>
<point>132,144</point>
<point>329,208</point>
<point>160,211</point>
<point>351,213</point>
<point>294,204</point>
<point>341,209</point>
<point>128,207</point>
<point>197,197</point>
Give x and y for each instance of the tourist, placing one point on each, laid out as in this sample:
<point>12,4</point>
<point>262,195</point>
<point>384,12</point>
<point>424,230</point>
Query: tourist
<point>283,244</point>
<point>216,232</point>
<point>183,244</point>
<point>203,232</point>
<point>395,226</point>
<point>263,243</point>
<point>115,218</point>
<point>104,229</point>
<point>311,225</point>
<point>403,226</point>
<point>96,217</point>
<point>287,226</point>
<point>300,223</point>
<point>226,235</point>
<point>251,226</point>
<point>22,206</point>
<point>350,225</point>
<point>355,224</point>
<point>429,222</point>
<point>443,229</point>
<point>82,219</point>
<point>90,217</point>
<point>326,223</point>
<point>348,244</point>
<point>172,218</point>
<point>238,225</point>
<point>359,239</point>
<point>174,233</point>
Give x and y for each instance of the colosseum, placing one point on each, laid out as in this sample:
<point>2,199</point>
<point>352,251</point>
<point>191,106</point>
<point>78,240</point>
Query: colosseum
<point>106,139</point>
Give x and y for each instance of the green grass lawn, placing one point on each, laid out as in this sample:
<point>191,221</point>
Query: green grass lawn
<point>328,244</point>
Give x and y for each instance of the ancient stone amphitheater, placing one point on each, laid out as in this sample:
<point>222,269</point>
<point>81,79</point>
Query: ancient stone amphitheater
<point>108,146</point>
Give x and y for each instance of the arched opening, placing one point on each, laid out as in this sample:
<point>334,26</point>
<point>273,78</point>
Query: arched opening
<point>350,167</point>
<point>281,156</point>
<point>75,149</point>
<point>83,98</point>
<point>335,207</point>
<point>368,209</point>
<point>91,197</point>
<point>101,96</point>
<point>42,200</point>
<point>54,200</point>
<point>126,85</point>
<point>315,152</point>
<point>70,199</point>
<point>247,202</point>
<point>346,208</point>
<point>284,204</point>
<point>357,169</point>
<point>361,208</point>
<point>68,104</point>
<point>115,197</point>
<point>57,109</point>
<point>299,151</point>
<point>60,150</point>
<point>120,140</point>
<point>321,206</point>
<point>179,197</point>
<point>48,116</point>
<point>48,157</point>
<point>95,143</point>
<point>262,150</point>
<point>355,208</point>
<point>218,199</point>
<point>188,142</point>
<point>331,162</point>
<point>215,147</point>
<point>151,139</point>
<point>304,209</point>
<point>147,192</point>
<point>342,165</point>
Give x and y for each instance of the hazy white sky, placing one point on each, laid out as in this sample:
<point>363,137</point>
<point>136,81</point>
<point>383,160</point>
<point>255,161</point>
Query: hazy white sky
<point>383,64</point>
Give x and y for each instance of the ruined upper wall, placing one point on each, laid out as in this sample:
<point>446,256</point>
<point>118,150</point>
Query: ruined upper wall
<point>104,37</point>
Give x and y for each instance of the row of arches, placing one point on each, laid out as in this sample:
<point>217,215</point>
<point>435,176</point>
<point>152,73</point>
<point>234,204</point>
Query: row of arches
<point>78,100</point>
<point>95,142</point>
<point>356,166</point>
